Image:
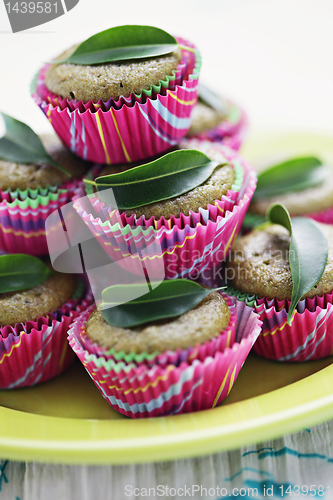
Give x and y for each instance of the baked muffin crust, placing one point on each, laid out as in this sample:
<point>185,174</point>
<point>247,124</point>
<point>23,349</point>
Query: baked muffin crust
<point>204,118</point>
<point>28,305</point>
<point>259,265</point>
<point>110,80</point>
<point>207,320</point>
<point>303,202</point>
<point>22,176</point>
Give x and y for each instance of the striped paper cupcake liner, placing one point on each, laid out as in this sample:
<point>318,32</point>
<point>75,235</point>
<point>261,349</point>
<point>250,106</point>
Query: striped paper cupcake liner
<point>36,351</point>
<point>23,215</point>
<point>310,335</point>
<point>140,391</point>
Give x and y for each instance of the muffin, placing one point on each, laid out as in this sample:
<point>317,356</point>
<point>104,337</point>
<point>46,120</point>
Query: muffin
<point>183,235</point>
<point>30,193</point>
<point>259,273</point>
<point>315,202</point>
<point>139,384</point>
<point>226,123</point>
<point>33,330</point>
<point>123,111</point>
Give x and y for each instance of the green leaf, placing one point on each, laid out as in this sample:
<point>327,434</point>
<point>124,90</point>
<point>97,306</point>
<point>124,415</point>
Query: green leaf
<point>21,272</point>
<point>122,43</point>
<point>307,254</point>
<point>214,101</point>
<point>20,144</point>
<point>171,175</point>
<point>296,174</point>
<point>169,299</point>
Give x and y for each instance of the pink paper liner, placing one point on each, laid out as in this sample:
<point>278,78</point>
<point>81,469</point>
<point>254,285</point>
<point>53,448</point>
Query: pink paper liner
<point>138,391</point>
<point>200,351</point>
<point>230,132</point>
<point>325,216</point>
<point>22,230</point>
<point>135,130</point>
<point>37,351</point>
<point>309,337</point>
<point>184,246</point>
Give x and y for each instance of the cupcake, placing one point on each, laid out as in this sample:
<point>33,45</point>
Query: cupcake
<point>33,328</point>
<point>29,193</point>
<point>173,365</point>
<point>302,197</point>
<point>185,234</point>
<point>259,273</point>
<point>121,111</point>
<point>218,120</point>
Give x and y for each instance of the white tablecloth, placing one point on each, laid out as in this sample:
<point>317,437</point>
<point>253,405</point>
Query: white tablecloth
<point>272,469</point>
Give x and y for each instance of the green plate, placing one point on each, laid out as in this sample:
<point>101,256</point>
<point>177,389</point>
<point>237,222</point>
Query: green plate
<point>66,420</point>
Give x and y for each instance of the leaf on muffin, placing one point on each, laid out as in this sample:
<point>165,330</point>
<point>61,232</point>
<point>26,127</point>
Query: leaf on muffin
<point>214,101</point>
<point>169,299</point>
<point>20,272</point>
<point>20,144</point>
<point>293,175</point>
<point>122,43</point>
<point>307,254</point>
<point>171,175</point>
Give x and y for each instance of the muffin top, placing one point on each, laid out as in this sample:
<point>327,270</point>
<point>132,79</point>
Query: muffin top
<point>28,305</point>
<point>20,176</point>
<point>217,185</point>
<point>204,118</point>
<point>111,80</point>
<point>300,202</point>
<point>259,264</point>
<point>207,320</point>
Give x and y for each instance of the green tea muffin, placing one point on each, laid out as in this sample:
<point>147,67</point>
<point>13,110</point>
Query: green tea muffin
<point>110,80</point>
<point>15,176</point>
<point>308,201</point>
<point>28,305</point>
<point>204,118</point>
<point>206,321</point>
<point>259,264</point>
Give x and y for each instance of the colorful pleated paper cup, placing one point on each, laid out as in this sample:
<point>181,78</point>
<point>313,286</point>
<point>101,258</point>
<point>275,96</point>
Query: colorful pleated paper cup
<point>23,215</point>
<point>231,131</point>
<point>200,351</point>
<point>140,391</point>
<point>310,335</point>
<point>37,351</point>
<point>128,130</point>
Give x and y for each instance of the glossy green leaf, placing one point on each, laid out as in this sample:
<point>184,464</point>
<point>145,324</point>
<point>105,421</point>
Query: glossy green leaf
<point>169,299</point>
<point>20,144</point>
<point>296,174</point>
<point>21,272</point>
<point>171,175</point>
<point>214,101</point>
<point>122,43</point>
<point>307,254</point>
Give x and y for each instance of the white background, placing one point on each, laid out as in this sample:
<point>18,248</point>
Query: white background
<point>272,56</point>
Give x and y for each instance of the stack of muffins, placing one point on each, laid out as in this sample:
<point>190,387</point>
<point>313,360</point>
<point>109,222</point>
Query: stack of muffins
<point>124,115</point>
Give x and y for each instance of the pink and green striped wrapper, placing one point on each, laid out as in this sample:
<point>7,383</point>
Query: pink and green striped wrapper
<point>130,129</point>
<point>186,245</point>
<point>139,391</point>
<point>37,351</point>
<point>23,215</point>
<point>310,335</point>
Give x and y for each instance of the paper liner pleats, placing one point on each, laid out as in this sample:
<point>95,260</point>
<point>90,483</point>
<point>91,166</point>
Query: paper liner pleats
<point>139,391</point>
